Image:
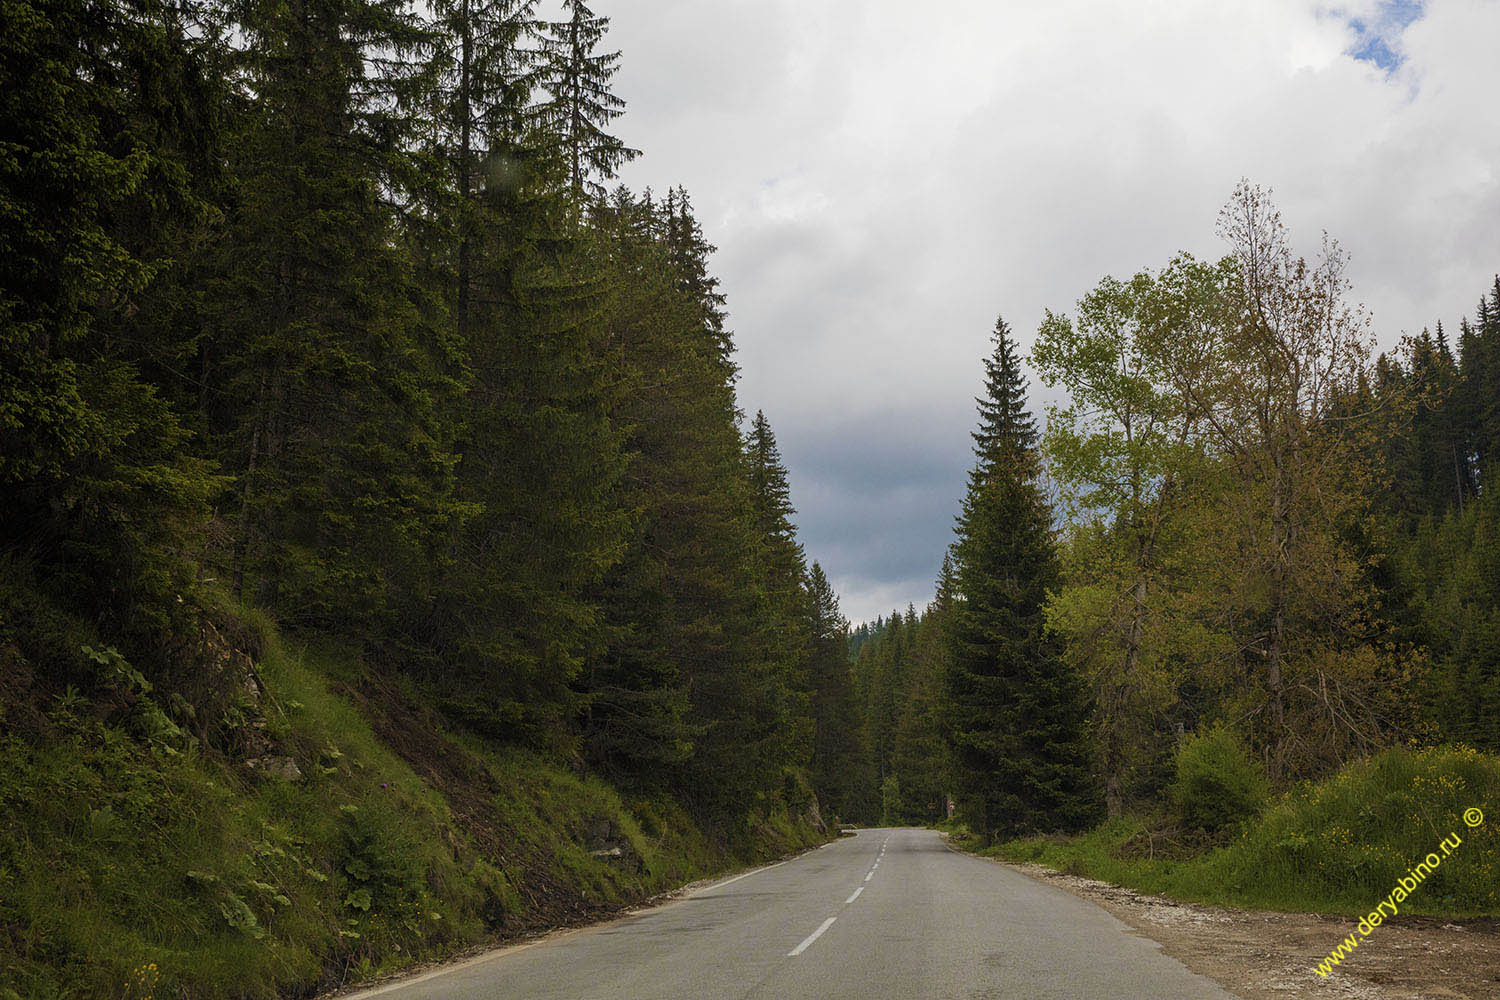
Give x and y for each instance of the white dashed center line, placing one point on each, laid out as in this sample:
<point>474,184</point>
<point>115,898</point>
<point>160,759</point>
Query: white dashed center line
<point>807,942</point>
<point>811,938</point>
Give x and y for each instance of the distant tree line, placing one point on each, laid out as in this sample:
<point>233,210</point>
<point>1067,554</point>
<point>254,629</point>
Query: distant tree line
<point>1259,525</point>
<point>325,306</point>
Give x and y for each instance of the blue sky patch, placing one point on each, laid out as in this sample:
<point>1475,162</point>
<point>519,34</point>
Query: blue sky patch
<point>1377,39</point>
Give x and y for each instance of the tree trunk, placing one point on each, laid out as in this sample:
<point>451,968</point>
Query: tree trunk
<point>242,540</point>
<point>465,176</point>
<point>1114,803</point>
<point>1114,762</point>
<point>1276,646</point>
<point>1458,478</point>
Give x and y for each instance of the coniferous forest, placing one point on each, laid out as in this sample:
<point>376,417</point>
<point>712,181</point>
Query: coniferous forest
<point>329,347</point>
<point>326,311</point>
<point>388,563</point>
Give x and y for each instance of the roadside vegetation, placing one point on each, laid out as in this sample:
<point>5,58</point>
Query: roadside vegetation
<point>363,836</point>
<point>1339,845</point>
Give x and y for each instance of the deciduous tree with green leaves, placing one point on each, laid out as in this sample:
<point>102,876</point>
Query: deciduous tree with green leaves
<point>1127,454</point>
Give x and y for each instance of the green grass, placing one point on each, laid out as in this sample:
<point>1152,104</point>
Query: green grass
<point>142,868</point>
<point>1336,846</point>
<point>118,855</point>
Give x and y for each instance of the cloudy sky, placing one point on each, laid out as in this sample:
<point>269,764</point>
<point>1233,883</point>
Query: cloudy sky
<point>882,179</point>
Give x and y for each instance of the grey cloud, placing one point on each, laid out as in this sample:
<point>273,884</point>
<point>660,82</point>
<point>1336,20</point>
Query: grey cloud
<point>881,184</point>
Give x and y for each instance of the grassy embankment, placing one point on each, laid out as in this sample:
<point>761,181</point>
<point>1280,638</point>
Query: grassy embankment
<point>138,862</point>
<point>1335,846</point>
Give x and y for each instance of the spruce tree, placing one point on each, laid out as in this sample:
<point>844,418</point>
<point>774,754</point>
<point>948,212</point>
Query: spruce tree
<point>835,756</point>
<point>879,677</point>
<point>1455,475</point>
<point>486,74</point>
<point>325,403</point>
<point>921,764</point>
<point>1486,388</point>
<point>582,106</point>
<point>770,494</point>
<point>518,613</point>
<point>784,640</point>
<point>674,694</point>
<point>634,710</point>
<point>96,476</point>
<point>1016,715</point>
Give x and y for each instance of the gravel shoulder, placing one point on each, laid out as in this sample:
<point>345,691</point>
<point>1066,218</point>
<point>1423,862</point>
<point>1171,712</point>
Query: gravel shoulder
<point>1263,955</point>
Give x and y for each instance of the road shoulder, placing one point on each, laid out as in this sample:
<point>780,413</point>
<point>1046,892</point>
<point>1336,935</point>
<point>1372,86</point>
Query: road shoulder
<point>1263,955</point>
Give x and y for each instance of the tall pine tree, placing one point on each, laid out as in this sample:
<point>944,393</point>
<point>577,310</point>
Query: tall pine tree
<point>660,699</point>
<point>518,612</point>
<point>1016,715</point>
<point>323,401</point>
<point>96,481</point>
<point>785,640</point>
<point>485,75</point>
<point>582,106</point>
<point>835,756</point>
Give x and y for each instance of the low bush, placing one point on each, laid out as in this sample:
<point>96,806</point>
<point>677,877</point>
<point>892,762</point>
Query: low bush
<point>1218,785</point>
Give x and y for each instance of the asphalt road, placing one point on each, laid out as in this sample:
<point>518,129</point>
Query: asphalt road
<point>886,914</point>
